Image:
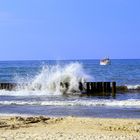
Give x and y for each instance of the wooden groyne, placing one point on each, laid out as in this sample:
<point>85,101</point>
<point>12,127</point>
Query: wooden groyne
<point>100,88</point>
<point>88,88</point>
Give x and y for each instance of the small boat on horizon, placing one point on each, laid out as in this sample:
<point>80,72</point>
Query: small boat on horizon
<point>105,61</point>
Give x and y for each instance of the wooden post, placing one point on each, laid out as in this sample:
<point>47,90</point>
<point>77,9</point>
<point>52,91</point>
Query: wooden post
<point>95,87</point>
<point>101,87</point>
<point>113,89</point>
<point>6,86</point>
<point>2,86</point>
<point>92,87</point>
<point>108,87</point>
<point>66,85</point>
<point>104,87</point>
<point>81,86</point>
<point>88,87</point>
<point>98,87</point>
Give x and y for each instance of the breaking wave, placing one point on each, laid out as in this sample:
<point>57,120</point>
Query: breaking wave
<point>56,79</point>
<point>110,103</point>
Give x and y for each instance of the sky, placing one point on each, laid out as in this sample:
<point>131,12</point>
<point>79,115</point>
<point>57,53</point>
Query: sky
<point>69,29</point>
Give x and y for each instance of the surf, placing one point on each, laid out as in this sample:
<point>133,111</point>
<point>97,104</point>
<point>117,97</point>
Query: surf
<point>54,80</point>
<point>130,103</point>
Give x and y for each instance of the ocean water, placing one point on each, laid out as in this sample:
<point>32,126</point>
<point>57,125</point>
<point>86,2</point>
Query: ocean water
<point>43,94</point>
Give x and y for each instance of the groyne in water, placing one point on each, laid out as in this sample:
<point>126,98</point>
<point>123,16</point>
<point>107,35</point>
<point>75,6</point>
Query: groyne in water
<point>86,88</point>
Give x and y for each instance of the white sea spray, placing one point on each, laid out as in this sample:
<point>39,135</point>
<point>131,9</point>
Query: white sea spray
<point>55,79</point>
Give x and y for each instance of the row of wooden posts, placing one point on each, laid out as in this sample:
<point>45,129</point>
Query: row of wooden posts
<point>101,88</point>
<point>89,88</point>
<point>7,86</point>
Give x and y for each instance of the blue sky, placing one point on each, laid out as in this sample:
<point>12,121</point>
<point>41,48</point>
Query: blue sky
<point>69,29</point>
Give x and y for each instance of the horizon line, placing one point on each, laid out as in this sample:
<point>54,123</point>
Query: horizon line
<point>68,59</point>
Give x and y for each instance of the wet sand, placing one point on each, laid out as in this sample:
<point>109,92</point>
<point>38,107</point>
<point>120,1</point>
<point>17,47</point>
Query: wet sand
<point>68,128</point>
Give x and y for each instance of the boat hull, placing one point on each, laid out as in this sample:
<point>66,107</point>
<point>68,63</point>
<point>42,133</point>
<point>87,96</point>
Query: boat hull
<point>105,62</point>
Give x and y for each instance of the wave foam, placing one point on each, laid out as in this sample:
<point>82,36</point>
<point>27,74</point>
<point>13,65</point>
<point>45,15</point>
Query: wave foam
<point>133,87</point>
<point>52,79</point>
<point>110,103</point>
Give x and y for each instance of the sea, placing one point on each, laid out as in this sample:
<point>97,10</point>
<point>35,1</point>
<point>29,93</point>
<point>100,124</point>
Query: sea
<point>51,99</point>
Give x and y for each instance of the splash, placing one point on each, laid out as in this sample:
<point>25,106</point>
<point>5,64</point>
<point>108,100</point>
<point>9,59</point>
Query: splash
<point>57,79</point>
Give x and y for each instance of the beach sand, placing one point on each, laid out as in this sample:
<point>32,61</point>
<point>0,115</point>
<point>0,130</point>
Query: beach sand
<point>68,128</point>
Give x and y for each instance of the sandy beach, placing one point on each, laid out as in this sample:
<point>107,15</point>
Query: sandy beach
<point>68,128</point>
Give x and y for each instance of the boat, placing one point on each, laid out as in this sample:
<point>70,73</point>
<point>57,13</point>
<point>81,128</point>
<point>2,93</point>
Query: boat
<point>105,61</point>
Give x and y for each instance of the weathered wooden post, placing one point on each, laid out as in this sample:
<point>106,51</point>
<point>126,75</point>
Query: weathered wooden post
<point>88,87</point>
<point>108,86</point>
<point>104,87</point>
<point>2,85</point>
<point>95,87</point>
<point>81,86</point>
<point>7,86</point>
<point>92,87</point>
<point>66,85</point>
<point>113,89</point>
<point>98,87</point>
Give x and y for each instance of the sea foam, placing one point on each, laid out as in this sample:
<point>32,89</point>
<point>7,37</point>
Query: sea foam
<point>131,103</point>
<point>133,87</point>
<point>52,79</point>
